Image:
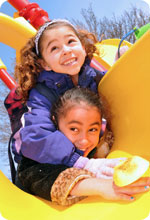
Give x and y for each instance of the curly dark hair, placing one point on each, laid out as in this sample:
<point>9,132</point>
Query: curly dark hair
<point>28,69</point>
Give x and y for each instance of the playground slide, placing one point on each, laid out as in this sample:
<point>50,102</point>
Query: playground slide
<point>108,49</point>
<point>15,31</point>
<point>126,86</point>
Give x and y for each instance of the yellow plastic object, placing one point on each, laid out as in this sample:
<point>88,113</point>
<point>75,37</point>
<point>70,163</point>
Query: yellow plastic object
<point>108,49</point>
<point>2,65</point>
<point>16,204</point>
<point>126,87</point>
<point>15,31</point>
<point>130,170</point>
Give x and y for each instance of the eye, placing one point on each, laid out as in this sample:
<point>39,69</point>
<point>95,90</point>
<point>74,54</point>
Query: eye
<point>71,41</point>
<point>53,48</point>
<point>74,129</point>
<point>93,129</point>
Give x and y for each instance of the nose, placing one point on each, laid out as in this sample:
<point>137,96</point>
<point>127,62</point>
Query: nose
<point>66,49</point>
<point>83,141</point>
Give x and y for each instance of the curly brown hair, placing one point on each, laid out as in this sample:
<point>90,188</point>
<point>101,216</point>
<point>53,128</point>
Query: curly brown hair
<point>28,69</point>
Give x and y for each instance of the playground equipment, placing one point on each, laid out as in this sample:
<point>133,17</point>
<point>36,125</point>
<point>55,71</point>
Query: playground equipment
<point>126,87</point>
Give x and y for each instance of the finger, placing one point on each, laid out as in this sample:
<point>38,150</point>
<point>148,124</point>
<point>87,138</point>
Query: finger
<point>125,197</point>
<point>143,181</point>
<point>132,190</point>
<point>114,162</point>
<point>99,175</point>
<point>107,171</point>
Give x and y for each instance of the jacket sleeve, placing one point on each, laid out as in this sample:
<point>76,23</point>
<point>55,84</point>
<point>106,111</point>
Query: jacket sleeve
<point>99,75</point>
<point>65,182</point>
<point>51,182</point>
<point>40,139</point>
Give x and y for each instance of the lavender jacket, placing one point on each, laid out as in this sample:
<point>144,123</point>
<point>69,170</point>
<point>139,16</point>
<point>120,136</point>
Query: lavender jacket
<point>40,141</point>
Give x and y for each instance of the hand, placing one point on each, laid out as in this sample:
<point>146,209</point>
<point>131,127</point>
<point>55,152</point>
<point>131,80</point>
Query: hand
<point>108,190</point>
<point>102,168</point>
<point>123,49</point>
<point>112,192</point>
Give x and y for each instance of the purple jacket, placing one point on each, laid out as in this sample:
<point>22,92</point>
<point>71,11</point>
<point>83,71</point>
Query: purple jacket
<point>40,139</point>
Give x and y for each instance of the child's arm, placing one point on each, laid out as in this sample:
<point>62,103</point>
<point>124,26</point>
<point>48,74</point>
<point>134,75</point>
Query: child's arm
<point>101,168</point>
<point>108,190</point>
<point>41,141</point>
<point>73,184</point>
<point>65,182</point>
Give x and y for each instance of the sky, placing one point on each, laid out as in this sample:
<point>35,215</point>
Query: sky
<point>70,9</point>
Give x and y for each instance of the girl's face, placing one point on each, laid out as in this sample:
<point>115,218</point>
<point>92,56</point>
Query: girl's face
<point>62,51</point>
<point>81,125</point>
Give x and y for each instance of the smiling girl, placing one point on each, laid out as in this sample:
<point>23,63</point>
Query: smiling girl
<point>78,115</point>
<point>58,56</point>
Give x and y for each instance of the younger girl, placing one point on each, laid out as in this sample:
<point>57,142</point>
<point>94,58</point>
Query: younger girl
<point>78,115</point>
<point>59,55</point>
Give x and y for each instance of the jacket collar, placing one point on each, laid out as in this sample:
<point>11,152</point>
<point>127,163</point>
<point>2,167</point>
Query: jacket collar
<point>55,80</point>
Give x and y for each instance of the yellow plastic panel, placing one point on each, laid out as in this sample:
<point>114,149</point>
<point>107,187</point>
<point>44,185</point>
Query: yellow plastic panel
<point>108,49</point>
<point>15,31</point>
<point>2,65</point>
<point>16,204</point>
<point>127,88</point>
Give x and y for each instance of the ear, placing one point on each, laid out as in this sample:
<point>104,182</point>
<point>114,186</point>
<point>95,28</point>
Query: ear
<point>53,117</point>
<point>54,121</point>
<point>44,65</point>
<point>84,50</point>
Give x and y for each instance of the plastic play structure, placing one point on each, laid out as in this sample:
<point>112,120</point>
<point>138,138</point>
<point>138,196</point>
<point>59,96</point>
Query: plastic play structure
<point>126,87</point>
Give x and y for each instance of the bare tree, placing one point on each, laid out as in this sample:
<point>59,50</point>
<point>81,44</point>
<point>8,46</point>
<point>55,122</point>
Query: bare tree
<point>115,27</point>
<point>4,122</point>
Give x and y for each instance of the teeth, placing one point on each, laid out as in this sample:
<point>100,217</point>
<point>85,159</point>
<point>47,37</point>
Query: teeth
<point>69,61</point>
<point>83,149</point>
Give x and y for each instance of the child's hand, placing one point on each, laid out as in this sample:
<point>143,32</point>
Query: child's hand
<point>102,168</point>
<point>127,192</point>
<point>123,49</point>
<point>110,191</point>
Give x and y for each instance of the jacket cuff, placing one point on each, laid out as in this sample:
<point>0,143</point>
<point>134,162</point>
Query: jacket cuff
<point>81,162</point>
<point>64,184</point>
<point>73,159</point>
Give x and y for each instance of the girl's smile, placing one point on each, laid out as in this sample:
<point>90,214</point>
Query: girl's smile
<point>70,61</point>
<point>81,125</point>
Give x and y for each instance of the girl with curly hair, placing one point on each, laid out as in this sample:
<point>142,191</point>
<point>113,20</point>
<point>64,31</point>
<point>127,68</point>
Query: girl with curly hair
<point>58,56</point>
